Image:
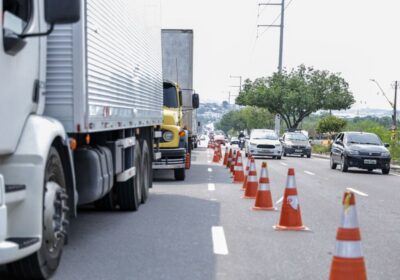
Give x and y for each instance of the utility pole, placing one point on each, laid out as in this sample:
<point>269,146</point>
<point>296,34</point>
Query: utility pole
<point>395,106</point>
<point>240,81</point>
<point>280,62</point>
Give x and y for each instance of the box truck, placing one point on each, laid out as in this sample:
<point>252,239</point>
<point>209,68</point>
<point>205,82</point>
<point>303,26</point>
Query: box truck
<point>179,102</point>
<point>80,110</point>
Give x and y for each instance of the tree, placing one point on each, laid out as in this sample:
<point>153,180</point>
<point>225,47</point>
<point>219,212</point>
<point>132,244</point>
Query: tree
<point>297,94</point>
<point>331,125</point>
<point>246,119</point>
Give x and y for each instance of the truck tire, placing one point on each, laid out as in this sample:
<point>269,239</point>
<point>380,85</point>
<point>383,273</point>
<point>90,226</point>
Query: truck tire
<point>106,203</point>
<point>146,171</point>
<point>43,263</point>
<point>129,192</point>
<point>179,174</point>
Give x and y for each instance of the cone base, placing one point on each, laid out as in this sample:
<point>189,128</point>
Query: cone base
<point>282,228</point>
<point>256,208</point>
<point>348,269</point>
<point>248,197</point>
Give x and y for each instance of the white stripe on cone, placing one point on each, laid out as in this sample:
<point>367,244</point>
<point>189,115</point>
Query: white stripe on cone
<point>348,249</point>
<point>349,217</point>
<point>263,187</point>
<point>252,179</point>
<point>291,182</point>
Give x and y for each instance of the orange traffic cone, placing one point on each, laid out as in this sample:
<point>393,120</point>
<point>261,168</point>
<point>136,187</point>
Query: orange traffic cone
<point>216,156</point>
<point>348,260</point>
<point>233,162</point>
<point>290,213</point>
<point>187,161</point>
<point>252,183</point>
<point>263,197</point>
<point>225,157</point>
<point>239,174</point>
<point>229,163</point>
<point>246,173</point>
<point>219,152</point>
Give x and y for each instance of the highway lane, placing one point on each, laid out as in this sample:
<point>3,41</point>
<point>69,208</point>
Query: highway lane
<point>203,229</point>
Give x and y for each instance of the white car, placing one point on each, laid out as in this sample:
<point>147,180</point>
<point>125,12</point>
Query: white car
<point>264,142</point>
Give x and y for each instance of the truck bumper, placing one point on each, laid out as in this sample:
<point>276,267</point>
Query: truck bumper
<point>171,159</point>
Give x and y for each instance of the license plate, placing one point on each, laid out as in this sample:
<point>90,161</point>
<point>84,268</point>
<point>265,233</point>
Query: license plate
<point>369,161</point>
<point>265,150</point>
<point>298,151</point>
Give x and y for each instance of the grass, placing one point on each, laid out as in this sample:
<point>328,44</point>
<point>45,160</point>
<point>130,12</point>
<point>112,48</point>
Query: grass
<point>321,149</point>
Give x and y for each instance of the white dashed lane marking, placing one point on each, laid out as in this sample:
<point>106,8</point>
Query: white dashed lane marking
<point>209,169</point>
<point>309,173</point>
<point>211,187</point>
<point>356,191</point>
<point>284,164</point>
<point>219,242</point>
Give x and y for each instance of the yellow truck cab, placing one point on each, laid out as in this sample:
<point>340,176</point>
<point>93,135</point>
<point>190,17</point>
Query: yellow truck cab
<point>174,140</point>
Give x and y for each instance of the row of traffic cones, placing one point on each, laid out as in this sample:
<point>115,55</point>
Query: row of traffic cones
<point>348,261</point>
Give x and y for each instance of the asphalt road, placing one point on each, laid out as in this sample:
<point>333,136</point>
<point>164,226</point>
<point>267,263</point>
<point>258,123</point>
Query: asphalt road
<point>203,229</point>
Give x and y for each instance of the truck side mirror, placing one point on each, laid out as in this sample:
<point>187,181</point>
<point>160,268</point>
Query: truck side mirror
<point>195,101</point>
<point>180,97</point>
<point>62,11</point>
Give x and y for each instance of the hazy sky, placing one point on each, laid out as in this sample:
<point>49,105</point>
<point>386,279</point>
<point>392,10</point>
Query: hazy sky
<point>358,38</point>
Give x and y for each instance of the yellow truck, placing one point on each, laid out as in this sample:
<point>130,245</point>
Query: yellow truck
<point>179,127</point>
<point>174,143</point>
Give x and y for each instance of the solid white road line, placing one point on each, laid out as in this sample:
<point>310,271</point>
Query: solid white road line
<point>211,187</point>
<point>279,201</point>
<point>284,164</point>
<point>219,242</point>
<point>357,191</point>
<point>209,169</point>
<point>309,173</point>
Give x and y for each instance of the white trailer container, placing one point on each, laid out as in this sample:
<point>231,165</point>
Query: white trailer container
<point>79,115</point>
<point>177,61</point>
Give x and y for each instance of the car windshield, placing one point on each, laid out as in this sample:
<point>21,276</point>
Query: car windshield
<point>264,135</point>
<point>366,139</point>
<point>296,137</point>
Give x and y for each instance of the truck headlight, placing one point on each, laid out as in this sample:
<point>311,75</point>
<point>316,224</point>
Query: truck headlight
<point>168,136</point>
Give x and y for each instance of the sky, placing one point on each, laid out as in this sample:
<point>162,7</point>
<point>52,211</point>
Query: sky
<point>359,39</point>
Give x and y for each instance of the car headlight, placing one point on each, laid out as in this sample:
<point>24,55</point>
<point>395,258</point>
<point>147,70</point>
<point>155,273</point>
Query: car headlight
<point>385,154</point>
<point>353,152</point>
<point>168,136</point>
<point>252,144</point>
<point>277,145</point>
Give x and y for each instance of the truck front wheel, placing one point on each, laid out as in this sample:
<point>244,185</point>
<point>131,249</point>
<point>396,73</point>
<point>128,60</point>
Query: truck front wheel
<point>179,174</point>
<point>43,263</point>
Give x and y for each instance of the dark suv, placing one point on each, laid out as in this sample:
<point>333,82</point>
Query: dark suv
<point>359,149</point>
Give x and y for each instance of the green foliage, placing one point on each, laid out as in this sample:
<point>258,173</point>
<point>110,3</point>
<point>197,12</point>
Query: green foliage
<point>321,149</point>
<point>331,125</point>
<point>297,94</point>
<point>245,119</point>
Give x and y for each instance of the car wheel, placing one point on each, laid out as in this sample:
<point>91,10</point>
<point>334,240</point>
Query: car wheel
<point>279,157</point>
<point>332,163</point>
<point>274,157</point>
<point>385,171</point>
<point>344,167</point>
<point>302,155</point>
<point>284,154</point>
<point>309,156</point>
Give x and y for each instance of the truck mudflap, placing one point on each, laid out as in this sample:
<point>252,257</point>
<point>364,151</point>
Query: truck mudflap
<point>171,159</point>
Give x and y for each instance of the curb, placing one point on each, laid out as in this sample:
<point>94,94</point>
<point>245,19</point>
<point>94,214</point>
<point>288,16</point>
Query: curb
<point>394,168</point>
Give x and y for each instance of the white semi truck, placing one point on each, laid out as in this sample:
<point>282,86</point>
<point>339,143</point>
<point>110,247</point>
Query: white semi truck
<point>80,109</point>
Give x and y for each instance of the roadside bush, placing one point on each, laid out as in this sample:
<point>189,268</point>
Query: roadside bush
<point>321,149</point>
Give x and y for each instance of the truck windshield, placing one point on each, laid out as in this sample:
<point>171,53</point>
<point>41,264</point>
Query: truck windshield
<point>170,96</point>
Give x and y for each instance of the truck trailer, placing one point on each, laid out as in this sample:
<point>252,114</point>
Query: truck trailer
<point>80,115</point>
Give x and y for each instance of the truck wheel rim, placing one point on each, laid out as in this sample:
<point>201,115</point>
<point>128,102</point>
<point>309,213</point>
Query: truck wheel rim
<point>55,217</point>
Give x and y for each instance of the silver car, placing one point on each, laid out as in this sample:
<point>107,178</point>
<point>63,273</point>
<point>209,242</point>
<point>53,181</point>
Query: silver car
<point>263,142</point>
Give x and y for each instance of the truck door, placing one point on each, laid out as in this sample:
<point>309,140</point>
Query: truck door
<point>19,68</point>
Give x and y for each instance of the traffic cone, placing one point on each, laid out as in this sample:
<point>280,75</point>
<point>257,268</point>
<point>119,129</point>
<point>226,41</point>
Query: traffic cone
<point>263,197</point>
<point>239,174</point>
<point>233,162</point>
<point>225,162</point>
<point>219,153</point>
<point>290,213</point>
<point>252,183</point>
<point>348,260</point>
<point>215,157</point>
<point>246,174</point>
<point>187,161</point>
<point>229,163</point>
